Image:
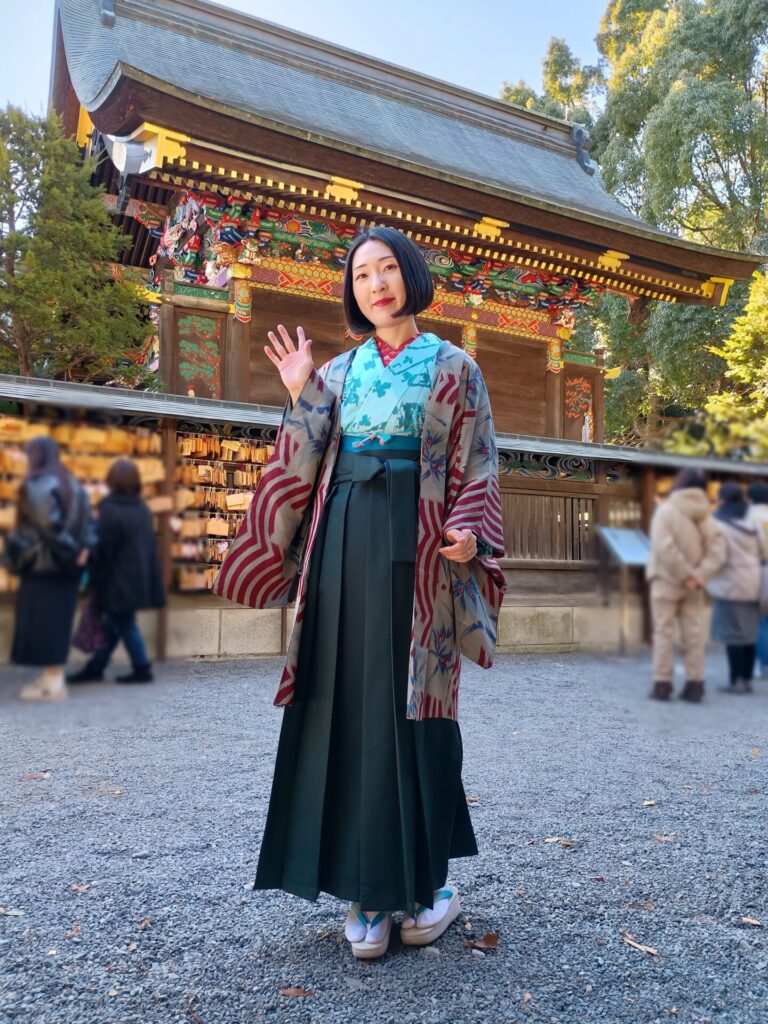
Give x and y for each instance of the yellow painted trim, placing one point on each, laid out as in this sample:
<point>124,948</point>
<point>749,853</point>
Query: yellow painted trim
<point>489,228</point>
<point>612,259</point>
<point>343,190</point>
<point>84,128</point>
<point>709,287</point>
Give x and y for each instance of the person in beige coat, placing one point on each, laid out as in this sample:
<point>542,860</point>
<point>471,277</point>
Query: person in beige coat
<point>687,549</point>
<point>736,587</point>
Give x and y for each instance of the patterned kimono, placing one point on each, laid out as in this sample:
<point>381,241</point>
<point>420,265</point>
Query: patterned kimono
<point>456,606</point>
<point>373,464</point>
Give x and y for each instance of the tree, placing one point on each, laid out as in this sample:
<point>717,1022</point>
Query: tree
<point>738,414</point>
<point>62,313</point>
<point>684,136</point>
<point>568,87</point>
<point>683,141</point>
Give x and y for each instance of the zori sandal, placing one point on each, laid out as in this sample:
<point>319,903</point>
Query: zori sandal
<point>376,941</point>
<point>356,924</point>
<point>431,923</point>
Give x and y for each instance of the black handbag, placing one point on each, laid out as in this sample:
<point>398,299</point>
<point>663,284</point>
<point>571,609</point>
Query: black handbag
<point>22,547</point>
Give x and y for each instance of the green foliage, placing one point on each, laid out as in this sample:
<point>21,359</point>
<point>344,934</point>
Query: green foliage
<point>569,87</point>
<point>61,312</point>
<point>684,137</point>
<point>738,414</point>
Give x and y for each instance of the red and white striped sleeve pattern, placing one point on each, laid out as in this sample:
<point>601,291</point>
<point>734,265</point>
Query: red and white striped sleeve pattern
<point>256,571</point>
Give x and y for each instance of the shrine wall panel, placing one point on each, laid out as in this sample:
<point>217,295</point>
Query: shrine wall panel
<point>515,374</point>
<point>322,322</point>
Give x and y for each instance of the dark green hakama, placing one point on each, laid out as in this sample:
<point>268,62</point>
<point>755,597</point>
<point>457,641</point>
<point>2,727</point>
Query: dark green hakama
<point>366,805</point>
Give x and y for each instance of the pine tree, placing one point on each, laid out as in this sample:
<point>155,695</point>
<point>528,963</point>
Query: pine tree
<point>62,312</point>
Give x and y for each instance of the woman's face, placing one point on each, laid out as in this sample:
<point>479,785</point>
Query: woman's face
<point>377,283</point>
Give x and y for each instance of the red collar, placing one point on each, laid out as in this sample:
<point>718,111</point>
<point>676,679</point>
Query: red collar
<point>387,352</point>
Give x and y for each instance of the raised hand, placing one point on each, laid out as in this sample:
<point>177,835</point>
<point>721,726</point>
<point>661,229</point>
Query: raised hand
<point>463,548</point>
<point>294,361</point>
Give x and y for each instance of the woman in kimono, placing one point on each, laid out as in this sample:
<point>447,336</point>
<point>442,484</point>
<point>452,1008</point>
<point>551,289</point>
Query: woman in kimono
<point>380,513</point>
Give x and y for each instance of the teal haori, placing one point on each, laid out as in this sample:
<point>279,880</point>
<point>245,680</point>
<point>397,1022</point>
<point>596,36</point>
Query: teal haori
<point>366,805</point>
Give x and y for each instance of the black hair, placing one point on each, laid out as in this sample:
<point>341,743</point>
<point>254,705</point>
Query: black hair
<point>419,290</point>
<point>733,504</point>
<point>757,493</point>
<point>690,477</point>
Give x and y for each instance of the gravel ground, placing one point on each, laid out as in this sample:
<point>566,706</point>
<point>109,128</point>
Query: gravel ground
<point>131,821</point>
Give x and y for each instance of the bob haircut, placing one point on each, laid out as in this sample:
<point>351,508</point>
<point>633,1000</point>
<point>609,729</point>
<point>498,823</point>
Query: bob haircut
<point>733,504</point>
<point>123,477</point>
<point>419,290</point>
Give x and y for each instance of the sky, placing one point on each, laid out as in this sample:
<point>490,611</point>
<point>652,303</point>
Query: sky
<point>475,47</point>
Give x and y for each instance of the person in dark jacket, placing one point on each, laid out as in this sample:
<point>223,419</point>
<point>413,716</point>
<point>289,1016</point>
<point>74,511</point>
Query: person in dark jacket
<point>125,574</point>
<point>48,549</point>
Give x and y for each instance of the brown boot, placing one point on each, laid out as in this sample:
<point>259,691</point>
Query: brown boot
<point>662,690</point>
<point>692,691</point>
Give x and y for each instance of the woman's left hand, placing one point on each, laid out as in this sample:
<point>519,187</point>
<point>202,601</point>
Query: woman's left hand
<point>464,547</point>
<point>82,558</point>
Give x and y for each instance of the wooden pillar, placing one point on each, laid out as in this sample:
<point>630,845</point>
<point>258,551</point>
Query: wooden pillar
<point>553,398</point>
<point>236,356</point>
<point>598,400</point>
<point>165,534</point>
<point>167,366</point>
<point>647,503</point>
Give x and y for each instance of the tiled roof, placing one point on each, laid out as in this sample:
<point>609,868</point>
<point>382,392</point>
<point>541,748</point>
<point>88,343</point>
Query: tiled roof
<point>299,84</point>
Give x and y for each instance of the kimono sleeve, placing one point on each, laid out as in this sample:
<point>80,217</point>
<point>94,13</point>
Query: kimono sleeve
<point>261,567</point>
<point>474,504</point>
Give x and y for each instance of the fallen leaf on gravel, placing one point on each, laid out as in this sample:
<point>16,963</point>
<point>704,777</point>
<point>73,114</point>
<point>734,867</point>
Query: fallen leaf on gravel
<point>561,841</point>
<point>79,887</point>
<point>473,799</point>
<point>115,792</point>
<point>598,878</point>
<point>707,789</point>
<point>37,776</point>
<point>755,751</point>
<point>489,941</point>
<point>688,787</point>
<point>527,997</point>
<point>632,941</point>
<point>754,789</point>
<point>753,921</point>
<point>649,803</point>
<point>145,922</point>
<point>297,991</point>
<point>638,905</point>
<point>133,946</point>
<point>659,837</point>
<point>531,842</point>
<point>673,1012</point>
<point>11,913</point>
<point>112,992</point>
<point>75,931</point>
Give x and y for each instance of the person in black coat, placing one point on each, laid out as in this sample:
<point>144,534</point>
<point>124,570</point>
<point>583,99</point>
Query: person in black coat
<point>48,549</point>
<point>125,574</point>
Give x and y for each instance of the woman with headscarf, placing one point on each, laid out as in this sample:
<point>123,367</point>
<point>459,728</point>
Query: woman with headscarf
<point>736,588</point>
<point>687,548</point>
<point>48,548</point>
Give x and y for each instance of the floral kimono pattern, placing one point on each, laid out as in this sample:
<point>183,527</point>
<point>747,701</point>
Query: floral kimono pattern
<point>456,605</point>
<point>388,399</point>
